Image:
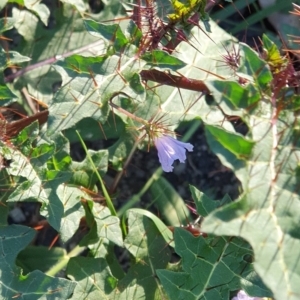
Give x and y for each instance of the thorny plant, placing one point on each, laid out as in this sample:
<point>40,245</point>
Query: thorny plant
<point>142,76</point>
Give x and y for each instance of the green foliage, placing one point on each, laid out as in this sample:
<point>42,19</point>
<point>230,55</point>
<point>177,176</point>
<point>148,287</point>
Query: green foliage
<point>109,82</point>
<point>35,285</point>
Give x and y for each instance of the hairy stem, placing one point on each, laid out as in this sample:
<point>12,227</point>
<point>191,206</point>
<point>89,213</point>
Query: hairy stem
<point>174,80</point>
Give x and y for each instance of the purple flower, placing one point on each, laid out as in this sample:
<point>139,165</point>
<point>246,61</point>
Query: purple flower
<point>169,149</point>
<point>243,296</point>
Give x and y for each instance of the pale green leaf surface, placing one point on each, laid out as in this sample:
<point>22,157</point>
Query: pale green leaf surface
<point>211,268</point>
<point>108,226</point>
<point>160,225</point>
<point>106,249</point>
<point>6,95</point>
<point>80,98</point>
<point>36,182</point>
<point>83,172</point>
<point>90,130</point>
<point>73,211</point>
<point>268,212</point>
<point>169,203</point>
<point>14,57</point>
<point>233,142</point>
<point>39,258</point>
<point>231,96</point>
<point>159,58</point>
<point>35,285</point>
<point>110,32</point>
<point>201,65</point>
<point>66,34</point>
<point>56,40</point>
<point>26,29</point>
<point>254,66</point>
<point>119,150</point>
<point>94,278</point>
<point>265,161</point>
<point>204,204</point>
<point>79,4</point>
<point>150,250</point>
<point>102,225</point>
<point>6,23</point>
<point>39,8</point>
<point>3,3</point>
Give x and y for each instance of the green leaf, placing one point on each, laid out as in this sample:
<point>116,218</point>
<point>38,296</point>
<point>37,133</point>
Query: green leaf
<point>65,34</point>
<point>211,268</point>
<point>273,57</point>
<point>267,213</point>
<point>91,130</point>
<point>31,286</point>
<point>254,66</point>
<point>79,98</point>
<point>83,172</point>
<point>204,204</point>
<point>3,3</point>
<point>6,95</point>
<point>39,258</point>
<point>119,150</point>
<point>235,143</point>
<point>79,4</point>
<point>165,232</point>
<point>11,58</point>
<point>35,181</point>
<point>61,160</point>
<point>169,203</point>
<point>111,32</point>
<point>102,225</point>
<point>150,251</point>
<point>39,8</point>
<point>93,276</point>
<point>106,250</point>
<point>162,59</point>
<point>82,64</point>
<point>184,9</point>
<point>71,198</point>
<point>6,23</point>
<point>25,29</point>
<point>233,95</point>
<point>201,64</point>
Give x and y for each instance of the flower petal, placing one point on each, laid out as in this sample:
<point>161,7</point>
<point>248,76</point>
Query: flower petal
<point>243,296</point>
<point>169,149</point>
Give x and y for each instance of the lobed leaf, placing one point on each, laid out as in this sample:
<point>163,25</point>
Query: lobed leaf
<point>150,251</point>
<point>93,276</point>
<point>266,213</point>
<point>32,286</point>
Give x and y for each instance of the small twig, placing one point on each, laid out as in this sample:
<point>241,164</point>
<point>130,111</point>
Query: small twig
<point>29,100</point>
<point>122,110</point>
<point>126,164</point>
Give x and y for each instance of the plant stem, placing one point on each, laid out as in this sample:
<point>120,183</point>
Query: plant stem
<point>174,80</point>
<point>192,129</point>
<point>62,263</point>
<point>136,198</point>
<point>127,162</point>
<point>104,190</point>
